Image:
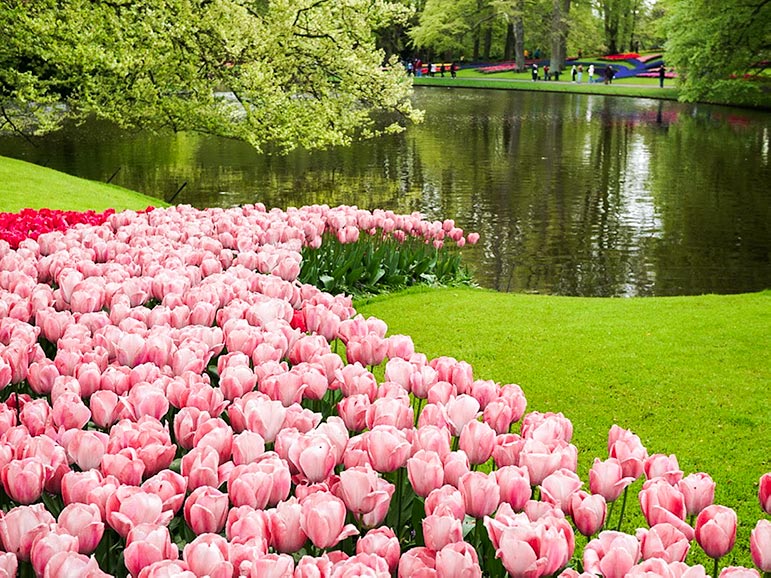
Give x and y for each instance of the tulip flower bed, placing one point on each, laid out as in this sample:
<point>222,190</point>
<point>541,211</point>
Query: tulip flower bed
<point>30,224</point>
<point>174,404</point>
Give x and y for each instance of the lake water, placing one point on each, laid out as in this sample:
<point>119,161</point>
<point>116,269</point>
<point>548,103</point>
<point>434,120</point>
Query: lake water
<point>572,194</point>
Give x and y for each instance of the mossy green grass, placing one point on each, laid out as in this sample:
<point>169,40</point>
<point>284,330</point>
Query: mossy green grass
<point>689,375</point>
<point>25,185</point>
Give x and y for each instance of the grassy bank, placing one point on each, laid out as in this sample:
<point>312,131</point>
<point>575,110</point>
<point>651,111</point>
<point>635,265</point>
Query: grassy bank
<point>25,185</point>
<point>689,375</point>
<point>501,82</point>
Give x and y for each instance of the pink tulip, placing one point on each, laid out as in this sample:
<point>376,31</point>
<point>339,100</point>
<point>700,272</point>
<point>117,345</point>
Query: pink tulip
<point>285,533</point>
<point>205,510</point>
<point>716,530</point>
<point>557,488</point>
<point>507,449</point>
<point>24,480</point>
<point>458,560</point>
<point>245,525</point>
<point>125,465</point>
<point>420,562</point>
<point>208,555</point>
<point>440,530</point>
<point>760,545</point>
<point>698,492</point>
<point>199,466</point>
<point>661,465</point>
<point>477,439</point>
<point>66,564</point>
<point>460,411</point>
<point>738,572</point>
<point>627,448</point>
<point>547,427</point>
<point>84,521</point>
<point>312,456</point>
<point>260,484</point>
<point>146,545</point>
<point>663,541</point>
<point>588,512</point>
<point>388,448</point>
<point>611,554</point>
<point>425,472</point>
<point>323,520</point>
<point>8,565</point>
<point>446,500</point>
<point>764,492</point>
<point>539,459</point>
<point>514,484</point>
<point>86,448</point>
<point>607,479</point>
<point>247,447</point>
<point>49,543</point>
<point>21,525</point>
<point>272,566</point>
<point>481,494</point>
<point>353,411</point>
<point>309,567</point>
<point>661,502</point>
<point>130,506</point>
<point>363,491</point>
<point>383,543</point>
<point>170,487</point>
<point>456,464</point>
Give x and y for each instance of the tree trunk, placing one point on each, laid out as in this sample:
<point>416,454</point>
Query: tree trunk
<point>519,36</point>
<point>488,41</point>
<point>561,9</point>
<point>508,49</point>
<point>611,18</point>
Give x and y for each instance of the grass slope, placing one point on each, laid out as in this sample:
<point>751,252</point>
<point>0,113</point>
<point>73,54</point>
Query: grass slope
<point>689,375</point>
<point>25,185</point>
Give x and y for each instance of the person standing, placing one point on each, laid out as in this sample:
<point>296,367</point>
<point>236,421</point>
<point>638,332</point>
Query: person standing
<point>662,74</point>
<point>580,72</point>
<point>453,70</point>
<point>591,73</point>
<point>535,71</point>
<point>573,73</point>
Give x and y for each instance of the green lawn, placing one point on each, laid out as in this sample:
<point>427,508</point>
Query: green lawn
<point>689,375</point>
<point>24,185</point>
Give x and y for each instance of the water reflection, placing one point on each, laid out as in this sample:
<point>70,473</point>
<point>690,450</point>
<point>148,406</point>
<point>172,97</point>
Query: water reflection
<point>573,194</point>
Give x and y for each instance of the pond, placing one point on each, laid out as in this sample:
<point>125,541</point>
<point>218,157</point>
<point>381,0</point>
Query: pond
<point>572,194</point>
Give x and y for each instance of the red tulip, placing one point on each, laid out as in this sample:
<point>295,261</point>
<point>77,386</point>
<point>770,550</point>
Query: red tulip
<point>716,530</point>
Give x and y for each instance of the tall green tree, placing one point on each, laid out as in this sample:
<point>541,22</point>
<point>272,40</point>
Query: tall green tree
<point>294,72</point>
<point>719,49</point>
<point>620,18</point>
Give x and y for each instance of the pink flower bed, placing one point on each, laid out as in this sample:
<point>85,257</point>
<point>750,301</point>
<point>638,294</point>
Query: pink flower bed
<point>624,56</point>
<point>175,405</point>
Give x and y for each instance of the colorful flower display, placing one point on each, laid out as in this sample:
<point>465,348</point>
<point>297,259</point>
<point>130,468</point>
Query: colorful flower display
<point>177,403</point>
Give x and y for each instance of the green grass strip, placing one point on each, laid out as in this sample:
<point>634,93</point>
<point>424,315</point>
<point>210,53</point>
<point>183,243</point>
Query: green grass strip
<point>689,375</point>
<point>25,185</point>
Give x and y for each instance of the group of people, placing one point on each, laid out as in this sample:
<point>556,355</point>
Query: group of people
<point>416,67</point>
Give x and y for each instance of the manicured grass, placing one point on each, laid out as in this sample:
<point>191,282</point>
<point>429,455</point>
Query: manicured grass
<point>25,185</point>
<point>640,90</point>
<point>689,375</point>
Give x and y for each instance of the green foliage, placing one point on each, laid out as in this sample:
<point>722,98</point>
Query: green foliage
<point>297,73</point>
<point>718,48</point>
<point>689,375</point>
<point>375,264</point>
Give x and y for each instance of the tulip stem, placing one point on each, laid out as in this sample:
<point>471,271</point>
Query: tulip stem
<point>399,484</point>
<point>623,507</point>
<point>610,513</point>
<point>714,570</point>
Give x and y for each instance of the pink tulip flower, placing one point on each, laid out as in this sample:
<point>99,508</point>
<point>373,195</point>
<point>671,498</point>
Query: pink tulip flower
<point>84,521</point>
<point>425,472</point>
<point>460,411</point>
<point>760,545</point>
<point>323,520</point>
<point>245,525</point>
<point>477,439</point>
<point>716,530</point>
<point>557,487</point>
<point>24,480</point>
<point>663,541</point>
<point>21,525</point>
<point>588,512</point>
<point>205,510</point>
<point>698,492</point>
<point>611,554</point>
<point>65,564</point>
<point>481,494</point>
<point>419,562</point>
<point>663,466</point>
<point>146,545</point>
<point>661,502</point>
<point>456,464</point>
<point>458,560</point>
<point>170,487</point>
<point>738,572</point>
<point>285,532</point>
<point>272,566</point>
<point>607,479</point>
<point>130,506</point>
<point>383,543</point>
<point>764,492</point>
<point>9,564</point>
<point>628,449</point>
<point>208,555</point>
<point>446,500</point>
<point>49,543</point>
<point>363,491</point>
<point>388,448</point>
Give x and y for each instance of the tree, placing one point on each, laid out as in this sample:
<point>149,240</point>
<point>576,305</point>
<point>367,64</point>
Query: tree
<point>559,39</point>
<point>277,74</point>
<point>719,49</point>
